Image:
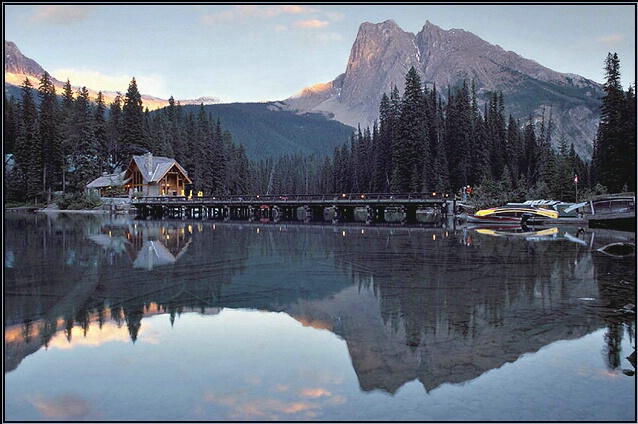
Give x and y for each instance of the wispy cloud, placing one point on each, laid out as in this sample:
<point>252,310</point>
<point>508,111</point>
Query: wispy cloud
<point>240,13</point>
<point>63,406</point>
<point>60,14</point>
<point>310,24</point>
<point>611,38</point>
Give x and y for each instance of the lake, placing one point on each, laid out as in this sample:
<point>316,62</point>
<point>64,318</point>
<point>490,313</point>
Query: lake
<point>108,318</point>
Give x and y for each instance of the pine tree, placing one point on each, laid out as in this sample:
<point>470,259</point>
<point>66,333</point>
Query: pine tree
<point>28,151</point>
<point>101,134</point>
<point>495,122</point>
<point>458,135</point>
<point>545,165</point>
<point>411,149</point>
<point>84,157</point>
<point>481,142</point>
<point>628,167</point>
<point>218,162</point>
<point>67,130</point>
<point>117,156</point>
<point>441,175</point>
<point>10,127</point>
<point>9,137</point>
<point>132,130</point>
<point>49,135</point>
<point>610,144</point>
<point>514,149</point>
<point>389,113</point>
<point>175,115</point>
<point>530,154</point>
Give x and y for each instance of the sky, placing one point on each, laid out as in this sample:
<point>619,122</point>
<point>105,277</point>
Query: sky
<point>250,53</point>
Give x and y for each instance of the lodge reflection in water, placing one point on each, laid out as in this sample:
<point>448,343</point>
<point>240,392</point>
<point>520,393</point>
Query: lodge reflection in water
<point>148,245</point>
<point>438,305</point>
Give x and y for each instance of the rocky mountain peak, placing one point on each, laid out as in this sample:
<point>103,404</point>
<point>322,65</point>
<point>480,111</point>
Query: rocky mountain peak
<point>17,63</point>
<point>383,53</point>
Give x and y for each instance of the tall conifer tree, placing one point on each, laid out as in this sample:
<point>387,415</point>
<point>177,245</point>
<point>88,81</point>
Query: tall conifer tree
<point>133,139</point>
<point>611,145</point>
<point>52,158</point>
<point>28,152</point>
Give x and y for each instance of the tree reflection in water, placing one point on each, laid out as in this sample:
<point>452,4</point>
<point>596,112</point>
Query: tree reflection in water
<point>437,304</point>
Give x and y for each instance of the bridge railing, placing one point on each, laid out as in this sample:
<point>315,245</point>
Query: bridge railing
<point>294,198</point>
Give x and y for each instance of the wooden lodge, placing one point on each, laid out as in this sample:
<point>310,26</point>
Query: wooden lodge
<point>146,175</point>
<point>149,175</point>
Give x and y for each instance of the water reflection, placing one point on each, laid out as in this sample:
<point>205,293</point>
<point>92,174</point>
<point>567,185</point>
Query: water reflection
<point>436,305</point>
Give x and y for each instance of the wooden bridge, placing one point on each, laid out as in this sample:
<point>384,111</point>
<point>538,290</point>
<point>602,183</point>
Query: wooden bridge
<point>412,208</point>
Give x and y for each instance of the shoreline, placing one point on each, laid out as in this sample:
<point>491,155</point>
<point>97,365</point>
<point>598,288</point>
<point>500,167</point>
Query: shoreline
<point>33,209</point>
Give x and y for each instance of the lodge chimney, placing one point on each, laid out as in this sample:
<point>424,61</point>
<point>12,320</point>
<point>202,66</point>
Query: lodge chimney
<point>149,163</point>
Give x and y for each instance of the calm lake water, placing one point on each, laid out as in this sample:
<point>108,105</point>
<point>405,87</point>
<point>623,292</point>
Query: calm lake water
<point>116,319</point>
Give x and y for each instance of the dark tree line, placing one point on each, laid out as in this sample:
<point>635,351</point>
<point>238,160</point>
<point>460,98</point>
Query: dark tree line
<point>420,143</point>
<point>614,157</point>
<point>60,143</point>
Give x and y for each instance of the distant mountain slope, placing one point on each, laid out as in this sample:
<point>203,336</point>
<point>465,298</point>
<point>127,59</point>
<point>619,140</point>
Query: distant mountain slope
<point>18,64</point>
<point>18,67</point>
<point>383,53</point>
<point>265,130</point>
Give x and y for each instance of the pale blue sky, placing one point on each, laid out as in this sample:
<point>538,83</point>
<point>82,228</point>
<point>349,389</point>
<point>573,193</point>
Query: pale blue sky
<point>241,53</point>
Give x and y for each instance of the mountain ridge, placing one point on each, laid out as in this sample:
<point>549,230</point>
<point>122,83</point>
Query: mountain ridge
<point>383,53</point>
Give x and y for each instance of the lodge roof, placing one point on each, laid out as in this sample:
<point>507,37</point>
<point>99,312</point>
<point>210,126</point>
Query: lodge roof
<point>153,168</point>
<point>107,180</point>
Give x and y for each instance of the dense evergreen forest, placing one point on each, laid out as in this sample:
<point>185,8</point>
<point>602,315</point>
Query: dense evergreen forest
<point>421,143</point>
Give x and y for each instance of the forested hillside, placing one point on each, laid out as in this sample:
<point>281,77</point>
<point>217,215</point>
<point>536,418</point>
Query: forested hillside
<point>267,131</point>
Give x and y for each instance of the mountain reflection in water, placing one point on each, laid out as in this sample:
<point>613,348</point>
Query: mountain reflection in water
<point>437,305</point>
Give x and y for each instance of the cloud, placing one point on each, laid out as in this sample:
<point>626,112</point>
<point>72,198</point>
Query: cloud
<point>246,13</point>
<point>315,393</point>
<point>60,14</point>
<point>63,406</point>
<point>611,38</point>
<point>310,24</point>
<point>154,84</point>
